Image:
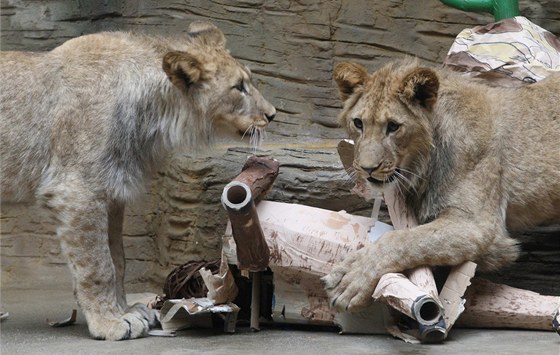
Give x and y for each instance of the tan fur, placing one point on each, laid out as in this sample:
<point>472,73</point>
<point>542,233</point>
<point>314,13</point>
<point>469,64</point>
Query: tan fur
<point>473,162</point>
<point>82,127</point>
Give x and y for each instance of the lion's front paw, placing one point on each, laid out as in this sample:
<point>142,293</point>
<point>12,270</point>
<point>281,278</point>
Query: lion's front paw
<point>151,315</point>
<point>351,283</point>
<point>135,323</point>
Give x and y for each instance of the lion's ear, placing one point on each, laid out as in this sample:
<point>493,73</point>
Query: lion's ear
<point>348,77</point>
<point>207,33</point>
<point>183,69</point>
<point>420,87</point>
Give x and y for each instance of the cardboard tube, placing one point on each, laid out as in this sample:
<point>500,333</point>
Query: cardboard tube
<point>399,292</point>
<point>259,174</point>
<point>238,198</point>
<point>252,251</point>
<point>451,295</point>
<point>491,305</point>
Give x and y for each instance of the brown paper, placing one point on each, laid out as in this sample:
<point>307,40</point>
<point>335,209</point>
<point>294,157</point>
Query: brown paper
<point>221,287</point>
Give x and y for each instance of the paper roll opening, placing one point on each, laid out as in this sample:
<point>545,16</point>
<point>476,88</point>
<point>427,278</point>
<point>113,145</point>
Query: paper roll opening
<point>427,311</point>
<point>236,195</point>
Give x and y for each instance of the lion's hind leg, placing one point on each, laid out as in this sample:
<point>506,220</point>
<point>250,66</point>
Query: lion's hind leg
<point>83,232</point>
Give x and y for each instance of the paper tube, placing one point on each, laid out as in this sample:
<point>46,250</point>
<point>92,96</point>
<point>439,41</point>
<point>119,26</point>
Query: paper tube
<point>491,305</point>
<point>399,292</point>
<point>239,198</point>
<point>451,295</point>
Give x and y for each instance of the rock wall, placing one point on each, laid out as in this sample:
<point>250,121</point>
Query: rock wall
<point>291,47</point>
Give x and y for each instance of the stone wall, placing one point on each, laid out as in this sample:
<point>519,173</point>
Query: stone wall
<point>291,47</point>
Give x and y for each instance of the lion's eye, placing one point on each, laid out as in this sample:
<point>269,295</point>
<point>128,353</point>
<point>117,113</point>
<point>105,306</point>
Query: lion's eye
<point>392,126</point>
<point>240,86</point>
<point>358,123</point>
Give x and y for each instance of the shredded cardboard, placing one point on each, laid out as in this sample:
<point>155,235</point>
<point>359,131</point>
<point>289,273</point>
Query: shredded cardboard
<point>221,286</point>
<point>196,313</point>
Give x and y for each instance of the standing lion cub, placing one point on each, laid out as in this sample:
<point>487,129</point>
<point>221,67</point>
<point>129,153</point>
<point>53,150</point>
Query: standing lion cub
<point>82,127</point>
<point>473,162</point>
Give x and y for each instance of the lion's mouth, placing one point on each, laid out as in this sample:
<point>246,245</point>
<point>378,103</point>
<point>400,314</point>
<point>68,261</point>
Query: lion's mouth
<point>387,179</point>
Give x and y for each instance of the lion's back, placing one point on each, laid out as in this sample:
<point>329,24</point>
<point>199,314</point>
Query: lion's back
<point>51,102</point>
<point>530,153</point>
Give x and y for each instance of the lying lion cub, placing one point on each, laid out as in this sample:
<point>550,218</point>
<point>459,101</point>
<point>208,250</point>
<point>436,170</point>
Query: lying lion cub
<point>472,161</point>
<point>83,125</point>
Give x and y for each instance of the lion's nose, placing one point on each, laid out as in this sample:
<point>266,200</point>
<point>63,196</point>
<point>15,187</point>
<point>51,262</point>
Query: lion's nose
<point>270,117</point>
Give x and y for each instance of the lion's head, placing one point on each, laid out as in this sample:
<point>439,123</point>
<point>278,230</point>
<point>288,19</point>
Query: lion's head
<point>387,115</point>
<point>208,73</point>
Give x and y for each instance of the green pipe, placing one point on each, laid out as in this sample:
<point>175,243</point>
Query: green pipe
<point>501,9</point>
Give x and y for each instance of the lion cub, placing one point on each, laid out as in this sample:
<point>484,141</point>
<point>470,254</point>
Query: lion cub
<point>82,127</point>
<point>472,161</point>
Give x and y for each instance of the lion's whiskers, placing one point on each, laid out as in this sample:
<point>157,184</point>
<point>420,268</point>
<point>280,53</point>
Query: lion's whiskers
<point>352,175</point>
<point>405,181</point>
<point>399,190</point>
<point>257,137</point>
<point>247,130</point>
<point>411,173</point>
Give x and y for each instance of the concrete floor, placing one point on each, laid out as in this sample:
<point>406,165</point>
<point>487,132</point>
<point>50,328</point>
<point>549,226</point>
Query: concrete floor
<point>26,332</point>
